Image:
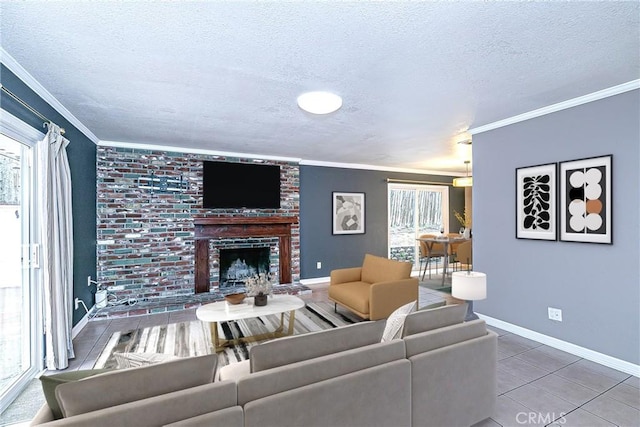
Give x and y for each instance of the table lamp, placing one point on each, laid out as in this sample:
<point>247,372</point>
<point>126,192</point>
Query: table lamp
<point>469,286</point>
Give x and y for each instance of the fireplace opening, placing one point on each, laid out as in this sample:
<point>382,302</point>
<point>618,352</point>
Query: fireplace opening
<point>237,264</point>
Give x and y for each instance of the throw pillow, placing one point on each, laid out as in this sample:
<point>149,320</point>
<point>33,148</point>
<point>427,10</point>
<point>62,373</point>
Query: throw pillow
<point>134,360</point>
<point>50,382</point>
<point>395,322</point>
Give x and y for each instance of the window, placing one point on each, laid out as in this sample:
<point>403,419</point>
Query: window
<point>415,210</point>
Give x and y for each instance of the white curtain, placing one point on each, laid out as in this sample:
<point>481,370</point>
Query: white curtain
<point>56,238</point>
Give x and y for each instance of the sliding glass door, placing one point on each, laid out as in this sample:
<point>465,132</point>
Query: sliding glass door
<point>415,210</point>
<point>20,321</point>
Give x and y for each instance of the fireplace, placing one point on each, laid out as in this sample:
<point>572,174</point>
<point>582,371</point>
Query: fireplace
<point>238,264</point>
<point>207,229</point>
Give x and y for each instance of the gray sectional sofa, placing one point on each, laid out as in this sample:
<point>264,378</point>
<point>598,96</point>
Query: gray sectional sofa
<point>442,372</point>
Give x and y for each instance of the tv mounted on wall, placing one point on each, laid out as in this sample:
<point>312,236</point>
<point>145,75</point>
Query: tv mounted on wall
<point>240,185</point>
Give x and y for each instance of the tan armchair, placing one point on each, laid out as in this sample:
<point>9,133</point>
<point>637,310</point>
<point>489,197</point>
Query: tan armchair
<point>374,290</point>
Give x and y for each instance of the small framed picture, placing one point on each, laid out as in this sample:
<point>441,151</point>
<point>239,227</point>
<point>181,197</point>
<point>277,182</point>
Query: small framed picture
<point>348,213</point>
<point>585,200</point>
<point>536,202</point>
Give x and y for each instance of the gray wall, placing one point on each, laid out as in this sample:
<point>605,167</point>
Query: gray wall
<point>597,286</point>
<point>317,243</point>
<point>82,162</point>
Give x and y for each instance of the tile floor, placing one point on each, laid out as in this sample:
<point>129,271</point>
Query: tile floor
<point>537,385</point>
<point>540,385</point>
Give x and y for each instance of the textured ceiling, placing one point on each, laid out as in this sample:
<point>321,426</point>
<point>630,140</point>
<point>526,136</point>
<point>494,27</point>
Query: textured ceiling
<point>224,76</point>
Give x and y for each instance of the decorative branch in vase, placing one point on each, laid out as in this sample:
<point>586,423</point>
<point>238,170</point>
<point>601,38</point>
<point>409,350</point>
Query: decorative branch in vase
<point>259,287</point>
<point>465,222</point>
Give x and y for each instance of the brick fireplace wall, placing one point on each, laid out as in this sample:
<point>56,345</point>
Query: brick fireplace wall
<point>145,246</point>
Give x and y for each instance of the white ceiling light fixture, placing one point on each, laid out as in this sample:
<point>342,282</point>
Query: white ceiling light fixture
<point>466,181</point>
<point>319,102</point>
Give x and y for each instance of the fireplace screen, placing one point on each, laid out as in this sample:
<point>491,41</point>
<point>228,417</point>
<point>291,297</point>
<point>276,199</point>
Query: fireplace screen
<point>239,263</point>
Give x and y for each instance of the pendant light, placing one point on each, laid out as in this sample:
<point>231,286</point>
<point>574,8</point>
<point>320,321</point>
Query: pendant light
<point>466,181</point>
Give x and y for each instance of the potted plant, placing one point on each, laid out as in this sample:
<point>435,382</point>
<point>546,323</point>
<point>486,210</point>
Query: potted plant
<point>465,222</point>
<point>259,287</point>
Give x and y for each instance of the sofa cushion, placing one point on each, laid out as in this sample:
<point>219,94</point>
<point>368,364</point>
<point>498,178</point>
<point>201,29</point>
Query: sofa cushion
<point>461,375</point>
<point>443,337</point>
<point>268,382</point>
<point>228,417</point>
<point>164,409</point>
<point>395,322</point>
<point>51,382</point>
<point>376,396</point>
<point>426,320</point>
<point>285,351</point>
<point>377,269</point>
<point>129,385</point>
<point>354,295</point>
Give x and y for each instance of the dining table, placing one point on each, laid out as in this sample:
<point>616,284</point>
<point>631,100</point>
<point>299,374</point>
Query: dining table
<point>445,240</point>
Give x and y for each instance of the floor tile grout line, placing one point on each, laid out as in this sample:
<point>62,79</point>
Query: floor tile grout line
<point>597,391</point>
<point>532,381</point>
<point>581,406</point>
<point>607,390</point>
<point>544,376</point>
<point>560,397</point>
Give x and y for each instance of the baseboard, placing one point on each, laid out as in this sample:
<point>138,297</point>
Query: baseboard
<point>79,326</point>
<point>314,281</point>
<point>585,353</point>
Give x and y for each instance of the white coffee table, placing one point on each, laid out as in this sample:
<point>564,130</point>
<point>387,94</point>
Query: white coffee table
<point>221,312</point>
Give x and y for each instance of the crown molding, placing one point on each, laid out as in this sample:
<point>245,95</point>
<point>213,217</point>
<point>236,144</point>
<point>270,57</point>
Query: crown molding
<point>139,146</point>
<point>375,168</point>
<point>601,94</point>
<point>43,93</point>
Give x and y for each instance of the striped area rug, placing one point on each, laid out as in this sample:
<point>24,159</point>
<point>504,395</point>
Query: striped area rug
<point>194,338</point>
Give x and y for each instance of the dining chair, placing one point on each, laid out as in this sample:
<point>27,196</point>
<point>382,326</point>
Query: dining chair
<point>453,248</point>
<point>437,252</point>
<point>464,255</point>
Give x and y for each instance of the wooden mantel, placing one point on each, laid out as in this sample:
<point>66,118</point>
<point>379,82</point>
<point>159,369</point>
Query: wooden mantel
<point>230,227</point>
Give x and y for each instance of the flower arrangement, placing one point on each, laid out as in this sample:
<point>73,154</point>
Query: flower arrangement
<point>260,284</point>
<point>465,220</point>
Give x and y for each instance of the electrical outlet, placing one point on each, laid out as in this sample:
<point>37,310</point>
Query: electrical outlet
<point>318,265</point>
<point>555,314</point>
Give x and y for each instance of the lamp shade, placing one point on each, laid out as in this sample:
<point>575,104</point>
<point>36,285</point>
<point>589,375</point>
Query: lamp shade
<point>465,181</point>
<point>469,285</point>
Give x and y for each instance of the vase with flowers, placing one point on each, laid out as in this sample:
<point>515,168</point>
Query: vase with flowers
<point>465,222</point>
<point>259,287</point>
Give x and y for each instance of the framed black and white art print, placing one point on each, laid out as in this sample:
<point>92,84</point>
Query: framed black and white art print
<point>585,200</point>
<point>536,202</point>
<point>348,213</point>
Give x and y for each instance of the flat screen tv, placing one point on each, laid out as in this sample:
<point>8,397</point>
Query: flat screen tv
<point>240,185</point>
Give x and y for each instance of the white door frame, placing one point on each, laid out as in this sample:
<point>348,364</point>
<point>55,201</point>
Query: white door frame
<point>23,133</point>
<point>443,189</point>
